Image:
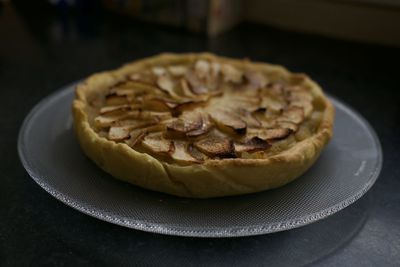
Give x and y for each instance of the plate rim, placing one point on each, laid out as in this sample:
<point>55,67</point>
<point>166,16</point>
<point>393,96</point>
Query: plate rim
<point>210,232</point>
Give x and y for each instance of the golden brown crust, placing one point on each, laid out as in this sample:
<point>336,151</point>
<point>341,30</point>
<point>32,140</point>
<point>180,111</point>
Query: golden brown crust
<point>214,177</point>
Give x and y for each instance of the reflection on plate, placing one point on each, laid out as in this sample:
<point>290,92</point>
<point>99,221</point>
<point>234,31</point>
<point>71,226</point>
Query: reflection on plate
<point>346,169</point>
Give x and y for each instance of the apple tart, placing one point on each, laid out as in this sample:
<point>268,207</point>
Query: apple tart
<point>199,125</point>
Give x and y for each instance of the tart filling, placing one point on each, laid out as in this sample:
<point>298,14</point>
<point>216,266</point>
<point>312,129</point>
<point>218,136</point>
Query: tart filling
<point>191,112</point>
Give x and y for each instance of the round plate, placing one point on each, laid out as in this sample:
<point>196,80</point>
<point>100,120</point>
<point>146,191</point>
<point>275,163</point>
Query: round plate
<point>50,153</point>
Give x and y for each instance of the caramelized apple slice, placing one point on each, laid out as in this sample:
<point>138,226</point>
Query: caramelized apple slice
<point>228,122</point>
<point>202,68</point>
<point>135,137</point>
<point>166,84</point>
<point>157,144</point>
<point>134,77</point>
<point>272,104</point>
<point>277,133</point>
<point>106,121</point>
<point>196,86</point>
<point>288,125</point>
<point>138,123</point>
<point>206,126</point>
<point>149,115</point>
<point>158,103</point>
<point>248,117</point>
<point>114,100</point>
<point>159,71</point>
<point>277,88</point>
<point>187,105</point>
<point>271,134</point>
<point>256,79</point>
<point>216,147</point>
<point>231,74</point>
<point>188,122</point>
<point>215,69</point>
<point>177,70</point>
<point>302,99</point>
<point>194,152</point>
<point>293,114</point>
<point>180,153</point>
<point>119,133</point>
<point>252,145</point>
<point>186,89</point>
<point>122,129</point>
<point>143,78</point>
<point>109,109</point>
<point>128,92</point>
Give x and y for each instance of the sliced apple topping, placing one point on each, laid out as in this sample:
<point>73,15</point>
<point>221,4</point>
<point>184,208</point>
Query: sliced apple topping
<point>166,84</point>
<point>252,145</point>
<point>248,117</point>
<point>272,104</point>
<point>216,147</point>
<point>138,123</point>
<point>135,137</point>
<point>177,70</point>
<point>271,134</point>
<point>148,115</point>
<point>119,133</point>
<point>159,71</point>
<point>187,105</point>
<point>215,69</point>
<point>195,84</point>
<point>109,109</point>
<point>158,144</point>
<point>288,125</point>
<point>206,126</point>
<point>128,92</point>
<point>158,103</point>
<point>231,74</point>
<point>256,79</point>
<point>106,121</point>
<point>186,123</point>
<point>293,114</point>
<point>194,152</point>
<point>249,103</point>
<point>202,69</point>
<point>113,99</point>
<point>180,153</point>
<point>277,88</point>
<point>134,77</point>
<point>194,112</point>
<point>303,100</point>
<point>145,78</point>
<point>228,122</point>
<point>186,89</point>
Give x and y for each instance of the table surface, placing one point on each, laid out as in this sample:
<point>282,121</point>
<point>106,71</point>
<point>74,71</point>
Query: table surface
<point>41,53</point>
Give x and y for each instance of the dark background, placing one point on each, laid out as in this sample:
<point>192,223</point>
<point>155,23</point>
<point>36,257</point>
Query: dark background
<point>43,49</point>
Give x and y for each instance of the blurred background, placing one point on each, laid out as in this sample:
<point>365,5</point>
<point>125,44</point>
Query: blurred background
<point>376,21</point>
<point>103,34</point>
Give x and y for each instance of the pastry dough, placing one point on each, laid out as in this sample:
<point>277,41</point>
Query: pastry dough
<point>201,126</point>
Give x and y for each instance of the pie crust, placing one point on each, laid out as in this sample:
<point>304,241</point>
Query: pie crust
<point>200,125</point>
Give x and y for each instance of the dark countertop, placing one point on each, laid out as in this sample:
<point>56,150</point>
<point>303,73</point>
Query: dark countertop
<point>40,53</point>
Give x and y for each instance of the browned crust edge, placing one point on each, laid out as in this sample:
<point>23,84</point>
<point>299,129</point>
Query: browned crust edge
<point>213,178</point>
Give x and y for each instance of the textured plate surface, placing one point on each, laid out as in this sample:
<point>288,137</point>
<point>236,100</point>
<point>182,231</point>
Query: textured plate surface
<point>50,153</point>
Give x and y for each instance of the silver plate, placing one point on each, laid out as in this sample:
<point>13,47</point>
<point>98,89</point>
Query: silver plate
<point>50,153</point>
